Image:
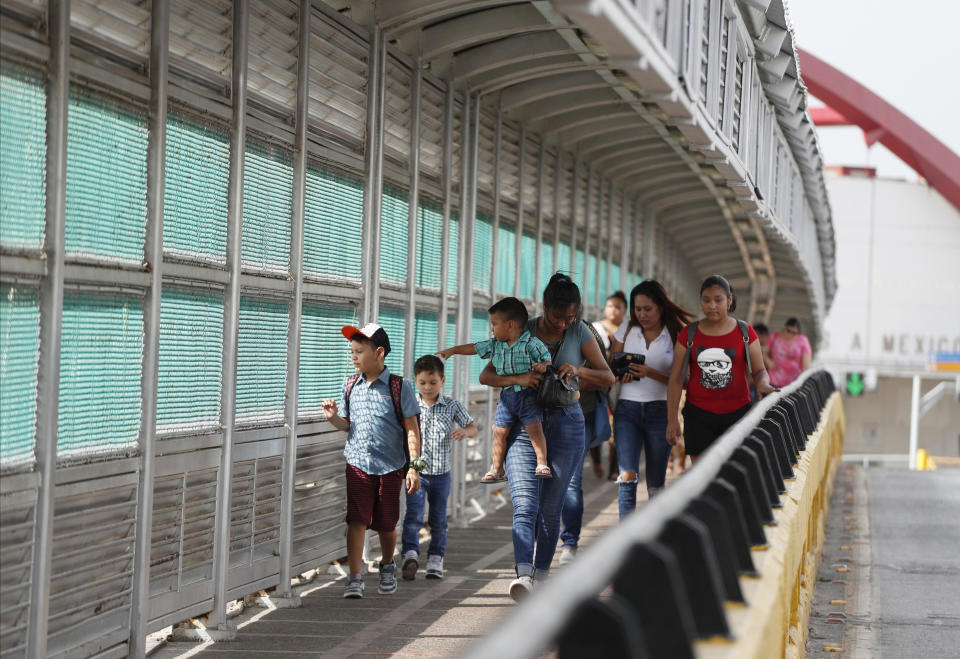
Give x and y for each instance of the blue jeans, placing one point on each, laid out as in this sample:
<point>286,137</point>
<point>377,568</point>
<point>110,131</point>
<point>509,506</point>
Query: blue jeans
<point>433,490</point>
<point>537,502</point>
<point>571,517</point>
<point>637,426</point>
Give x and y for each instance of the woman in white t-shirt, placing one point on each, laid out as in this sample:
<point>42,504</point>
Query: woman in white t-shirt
<point>614,311</point>
<point>640,420</point>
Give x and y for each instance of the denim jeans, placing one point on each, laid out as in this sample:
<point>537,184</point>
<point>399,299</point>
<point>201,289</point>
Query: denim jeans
<point>434,490</point>
<point>637,426</point>
<point>537,502</point>
<point>571,517</point>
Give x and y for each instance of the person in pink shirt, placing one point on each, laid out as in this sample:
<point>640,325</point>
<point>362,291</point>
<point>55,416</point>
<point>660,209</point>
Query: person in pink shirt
<point>791,353</point>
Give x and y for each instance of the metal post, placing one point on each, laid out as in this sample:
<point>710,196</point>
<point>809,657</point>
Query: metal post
<point>497,138</point>
<point>574,207</point>
<point>464,289</point>
<point>412,213</point>
<point>586,234</point>
<point>518,245</point>
<point>626,235</point>
<point>445,234</point>
<point>609,263</point>
<point>636,247</point>
<point>373,190</point>
<point>285,593</point>
<point>231,318</point>
<point>51,317</point>
<point>914,421</point>
<point>649,231</point>
<point>558,180</point>
<point>538,257</point>
<point>600,242</point>
<point>153,257</point>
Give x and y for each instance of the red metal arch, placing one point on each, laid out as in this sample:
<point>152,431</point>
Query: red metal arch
<point>881,122</point>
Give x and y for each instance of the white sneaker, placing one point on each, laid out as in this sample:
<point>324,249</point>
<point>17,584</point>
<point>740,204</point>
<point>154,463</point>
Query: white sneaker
<point>411,563</point>
<point>434,567</point>
<point>521,587</point>
<point>567,555</point>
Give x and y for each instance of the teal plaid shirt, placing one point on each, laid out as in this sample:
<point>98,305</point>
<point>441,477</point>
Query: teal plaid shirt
<point>513,359</point>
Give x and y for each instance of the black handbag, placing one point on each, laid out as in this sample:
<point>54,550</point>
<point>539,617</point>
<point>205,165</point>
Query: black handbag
<point>555,391</point>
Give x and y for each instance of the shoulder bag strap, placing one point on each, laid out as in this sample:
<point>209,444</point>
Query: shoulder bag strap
<point>745,330</point>
<point>346,395</point>
<point>691,332</point>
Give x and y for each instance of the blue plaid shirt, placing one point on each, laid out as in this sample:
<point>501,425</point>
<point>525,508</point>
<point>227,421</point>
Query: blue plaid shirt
<point>375,439</point>
<point>436,424</point>
<point>513,359</point>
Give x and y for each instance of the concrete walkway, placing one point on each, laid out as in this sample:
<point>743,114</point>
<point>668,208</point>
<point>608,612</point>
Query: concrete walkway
<point>889,579</point>
<point>424,618</point>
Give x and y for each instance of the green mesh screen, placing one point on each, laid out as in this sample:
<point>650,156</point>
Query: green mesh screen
<point>563,258</point>
<point>425,329</point>
<point>614,282</point>
<point>393,321</point>
<point>482,253</point>
<point>479,330</point>
<point>591,279</point>
<point>106,178</point>
<point>324,353</point>
<point>452,252</point>
<point>23,149</point>
<point>267,207</point>
<point>195,188</point>
<point>101,350</point>
<point>190,359</point>
<point>333,225</point>
<point>528,260</point>
<point>19,348</point>
<point>546,264</point>
<point>393,236</point>
<point>506,258</point>
<point>429,244</point>
<point>579,269</point>
<point>261,358</point>
<point>604,292</point>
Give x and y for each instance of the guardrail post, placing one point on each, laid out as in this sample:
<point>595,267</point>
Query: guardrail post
<point>687,537</point>
<point>726,496</point>
<point>606,627</point>
<point>651,581</point>
<point>769,469</point>
<point>736,475</point>
<point>750,462</point>
<point>715,518</point>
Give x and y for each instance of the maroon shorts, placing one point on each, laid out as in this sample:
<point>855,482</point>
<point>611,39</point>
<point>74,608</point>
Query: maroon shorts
<point>374,499</point>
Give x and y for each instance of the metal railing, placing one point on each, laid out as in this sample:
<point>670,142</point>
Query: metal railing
<point>707,522</point>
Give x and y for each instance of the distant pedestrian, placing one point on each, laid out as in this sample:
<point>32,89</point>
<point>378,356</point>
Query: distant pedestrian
<point>717,350</point>
<point>640,421</point>
<point>378,411</point>
<point>537,503</point>
<point>438,416</point>
<point>791,353</point>
<point>614,311</point>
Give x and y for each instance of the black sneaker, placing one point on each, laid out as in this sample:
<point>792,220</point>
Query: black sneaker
<point>410,565</point>
<point>388,579</point>
<point>354,588</point>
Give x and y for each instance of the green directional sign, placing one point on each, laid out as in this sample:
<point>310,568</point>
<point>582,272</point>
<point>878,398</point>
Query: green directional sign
<point>855,384</point>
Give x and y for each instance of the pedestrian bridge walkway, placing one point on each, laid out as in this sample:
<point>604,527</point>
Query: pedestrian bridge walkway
<point>423,618</point>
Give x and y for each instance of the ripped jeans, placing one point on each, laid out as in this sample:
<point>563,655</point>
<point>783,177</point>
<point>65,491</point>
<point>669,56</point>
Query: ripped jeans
<point>637,426</point>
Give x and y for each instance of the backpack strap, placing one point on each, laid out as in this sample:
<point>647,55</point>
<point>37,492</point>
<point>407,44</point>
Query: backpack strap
<point>351,382</point>
<point>396,393</point>
<point>745,331</point>
<point>691,332</point>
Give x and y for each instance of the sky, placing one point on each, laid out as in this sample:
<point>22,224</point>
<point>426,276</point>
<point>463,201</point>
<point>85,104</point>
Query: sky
<point>907,53</point>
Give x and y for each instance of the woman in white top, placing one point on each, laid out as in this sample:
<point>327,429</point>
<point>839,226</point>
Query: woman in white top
<point>640,420</point>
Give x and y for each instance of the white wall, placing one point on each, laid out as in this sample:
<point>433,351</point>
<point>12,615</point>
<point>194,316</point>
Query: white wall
<point>898,273</point>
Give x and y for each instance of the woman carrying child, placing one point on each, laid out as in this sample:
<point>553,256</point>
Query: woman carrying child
<point>537,502</point>
<point>640,421</point>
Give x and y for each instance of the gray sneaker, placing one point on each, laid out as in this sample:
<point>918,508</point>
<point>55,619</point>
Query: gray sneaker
<point>411,563</point>
<point>388,579</point>
<point>567,554</point>
<point>354,588</point>
<point>434,567</point>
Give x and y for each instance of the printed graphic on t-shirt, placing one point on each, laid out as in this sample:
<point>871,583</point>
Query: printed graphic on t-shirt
<point>716,367</point>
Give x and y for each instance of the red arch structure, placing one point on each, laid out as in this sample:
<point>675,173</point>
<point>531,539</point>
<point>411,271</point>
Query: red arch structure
<point>851,103</point>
